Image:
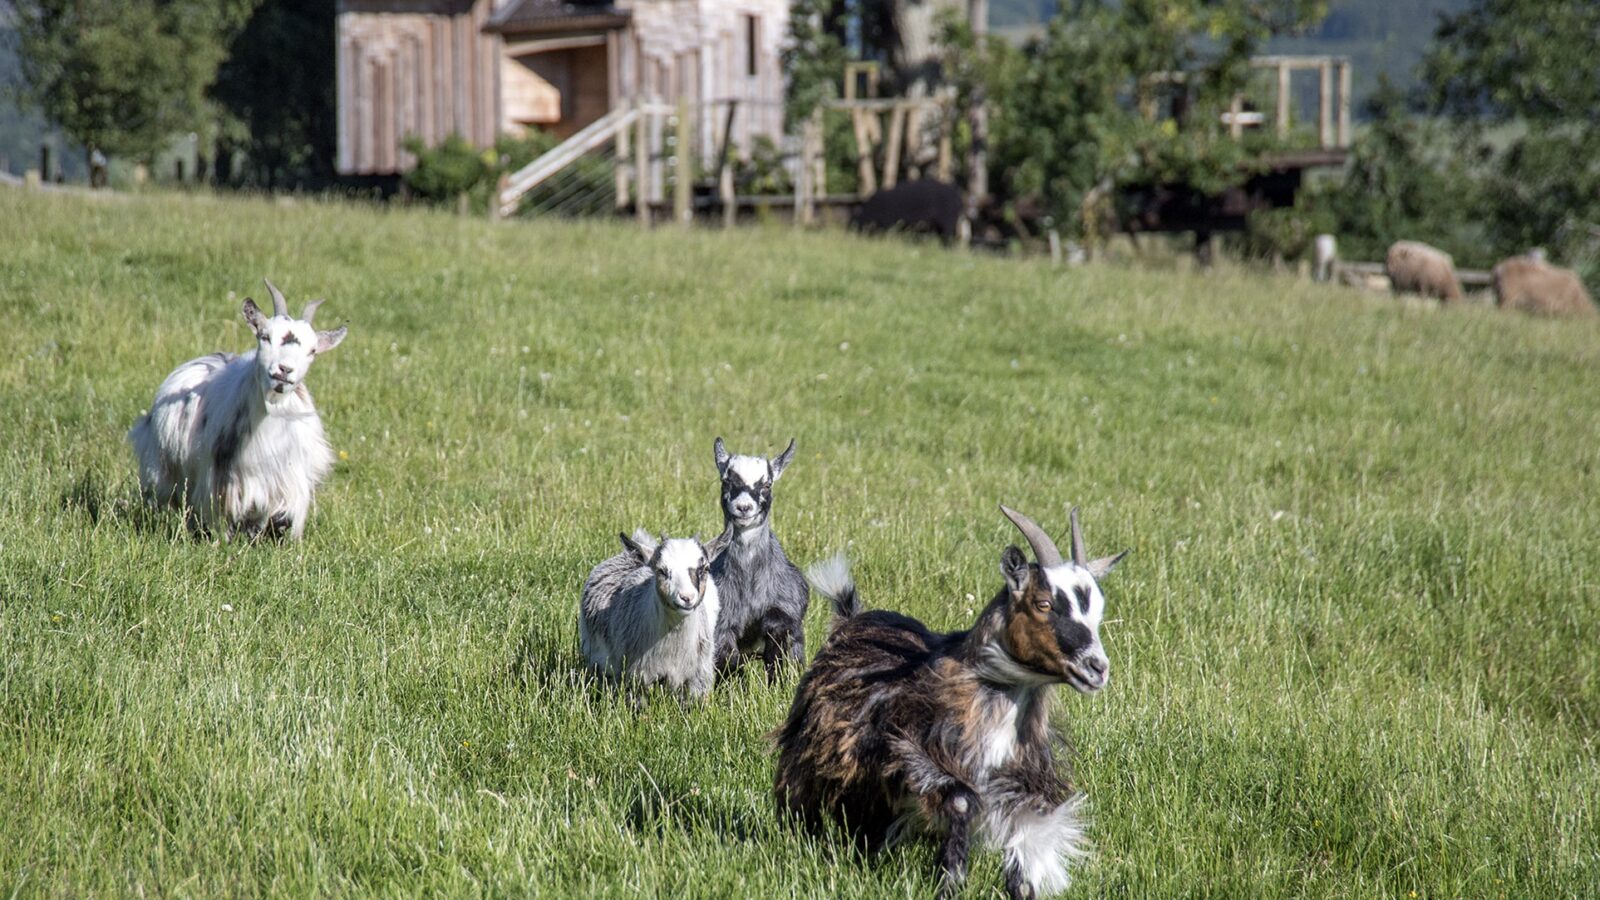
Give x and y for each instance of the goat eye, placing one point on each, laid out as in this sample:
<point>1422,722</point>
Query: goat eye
<point>1044,605</point>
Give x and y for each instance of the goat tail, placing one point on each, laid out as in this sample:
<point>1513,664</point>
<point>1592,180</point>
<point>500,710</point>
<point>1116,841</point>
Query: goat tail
<point>831,578</point>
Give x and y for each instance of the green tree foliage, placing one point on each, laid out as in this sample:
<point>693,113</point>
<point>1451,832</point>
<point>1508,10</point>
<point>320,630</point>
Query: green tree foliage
<point>278,86</point>
<point>1528,67</point>
<point>1404,181</point>
<point>125,75</point>
<point>1084,110</point>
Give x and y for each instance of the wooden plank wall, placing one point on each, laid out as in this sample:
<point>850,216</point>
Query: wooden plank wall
<point>419,68</point>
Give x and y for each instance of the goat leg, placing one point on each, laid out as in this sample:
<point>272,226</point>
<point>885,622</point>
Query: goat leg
<point>782,640</point>
<point>959,808</point>
<point>1016,887</point>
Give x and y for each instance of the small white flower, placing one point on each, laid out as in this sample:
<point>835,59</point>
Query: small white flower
<point>227,607</point>
<point>843,346</point>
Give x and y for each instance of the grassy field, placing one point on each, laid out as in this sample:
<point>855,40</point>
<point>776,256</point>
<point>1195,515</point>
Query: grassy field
<point>1356,651</point>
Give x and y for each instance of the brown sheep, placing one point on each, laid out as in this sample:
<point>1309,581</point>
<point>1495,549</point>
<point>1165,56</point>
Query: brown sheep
<point>1418,268</point>
<point>1528,285</point>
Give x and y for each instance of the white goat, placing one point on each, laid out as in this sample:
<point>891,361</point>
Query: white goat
<point>649,614</point>
<point>235,438</point>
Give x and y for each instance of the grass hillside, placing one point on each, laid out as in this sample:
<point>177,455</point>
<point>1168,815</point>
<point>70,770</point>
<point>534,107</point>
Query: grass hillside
<point>1355,651</point>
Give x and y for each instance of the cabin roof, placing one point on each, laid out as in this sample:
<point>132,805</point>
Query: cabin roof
<point>556,16</point>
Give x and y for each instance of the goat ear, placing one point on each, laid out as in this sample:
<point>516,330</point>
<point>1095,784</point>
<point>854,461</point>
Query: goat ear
<point>722,456</point>
<point>1105,564</point>
<point>327,340</point>
<point>639,553</point>
<point>718,545</point>
<point>252,314</point>
<point>782,462</point>
<point>1014,569</point>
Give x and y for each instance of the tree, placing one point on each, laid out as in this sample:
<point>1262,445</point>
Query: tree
<point>1069,123</point>
<point>125,75</point>
<point>278,85</point>
<point>1525,66</point>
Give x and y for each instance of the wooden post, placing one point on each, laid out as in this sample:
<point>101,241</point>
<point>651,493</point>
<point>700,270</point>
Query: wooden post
<point>641,167</point>
<point>819,156</point>
<point>1325,104</point>
<point>620,165</point>
<point>1236,117</point>
<point>44,162</point>
<point>730,201</point>
<point>978,113</point>
<point>1055,247</point>
<point>914,139</point>
<point>891,156</point>
<point>945,147</point>
<point>866,174</point>
<point>500,186</point>
<point>681,182</point>
<point>1284,93</point>
<point>805,186</point>
<point>1344,103</point>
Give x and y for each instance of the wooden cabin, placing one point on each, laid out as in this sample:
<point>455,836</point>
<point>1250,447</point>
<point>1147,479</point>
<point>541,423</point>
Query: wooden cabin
<point>480,68</point>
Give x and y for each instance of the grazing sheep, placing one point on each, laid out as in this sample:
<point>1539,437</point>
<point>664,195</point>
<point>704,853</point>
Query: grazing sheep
<point>913,206</point>
<point>896,728</point>
<point>649,613</point>
<point>764,597</point>
<point>1529,285</point>
<point>1417,268</point>
<point>236,438</point>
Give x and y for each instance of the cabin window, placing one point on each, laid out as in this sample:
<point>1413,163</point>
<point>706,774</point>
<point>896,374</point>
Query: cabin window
<point>752,45</point>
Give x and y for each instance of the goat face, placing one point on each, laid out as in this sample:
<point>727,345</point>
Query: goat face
<point>681,566</point>
<point>747,484</point>
<point>1053,621</point>
<point>1053,612</point>
<point>285,346</point>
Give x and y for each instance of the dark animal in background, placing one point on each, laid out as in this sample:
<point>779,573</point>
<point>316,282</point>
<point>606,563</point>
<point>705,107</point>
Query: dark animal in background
<point>913,206</point>
<point>764,597</point>
<point>896,728</point>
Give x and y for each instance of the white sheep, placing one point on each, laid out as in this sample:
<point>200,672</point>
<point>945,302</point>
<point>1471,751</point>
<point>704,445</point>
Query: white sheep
<point>235,439</point>
<point>649,614</point>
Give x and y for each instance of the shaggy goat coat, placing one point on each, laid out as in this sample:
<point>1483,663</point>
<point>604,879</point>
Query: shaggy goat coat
<point>764,595</point>
<point>896,728</point>
<point>626,630</point>
<point>236,438</point>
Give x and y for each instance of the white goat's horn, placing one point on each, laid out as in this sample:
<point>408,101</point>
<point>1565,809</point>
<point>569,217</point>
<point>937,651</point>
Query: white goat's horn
<point>280,306</point>
<point>1044,549</point>
<point>311,310</point>
<point>1079,556</point>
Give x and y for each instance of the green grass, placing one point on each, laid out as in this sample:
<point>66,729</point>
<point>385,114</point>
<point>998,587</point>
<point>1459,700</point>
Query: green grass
<point>1355,651</point>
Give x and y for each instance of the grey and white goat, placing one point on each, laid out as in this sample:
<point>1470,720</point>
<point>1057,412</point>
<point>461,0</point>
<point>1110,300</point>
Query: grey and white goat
<point>648,615</point>
<point>764,596</point>
<point>236,438</point>
<point>897,729</point>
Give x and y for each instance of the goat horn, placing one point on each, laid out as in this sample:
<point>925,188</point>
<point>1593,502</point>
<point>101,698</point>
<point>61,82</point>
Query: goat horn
<point>311,310</point>
<point>1079,556</point>
<point>280,306</point>
<point>1044,549</point>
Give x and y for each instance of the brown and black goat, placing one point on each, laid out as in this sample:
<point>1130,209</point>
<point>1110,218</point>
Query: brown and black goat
<point>896,728</point>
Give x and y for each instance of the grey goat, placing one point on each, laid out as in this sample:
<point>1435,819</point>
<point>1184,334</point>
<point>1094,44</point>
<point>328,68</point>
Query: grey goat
<point>764,596</point>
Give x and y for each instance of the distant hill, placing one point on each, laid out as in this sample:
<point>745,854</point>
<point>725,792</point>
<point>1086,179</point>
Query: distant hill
<point>1379,36</point>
